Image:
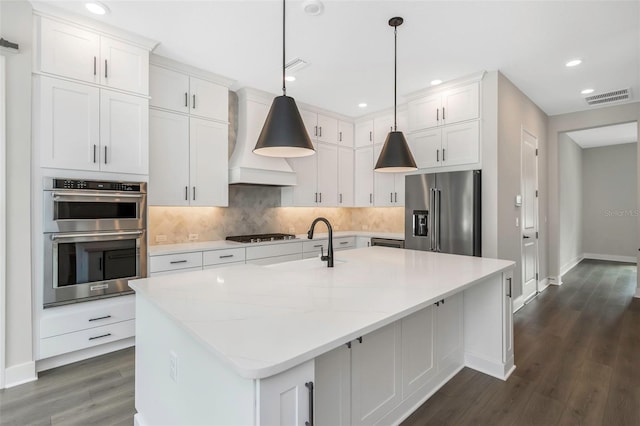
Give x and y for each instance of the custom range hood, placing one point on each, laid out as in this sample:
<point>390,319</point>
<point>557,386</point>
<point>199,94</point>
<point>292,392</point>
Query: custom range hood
<point>248,168</point>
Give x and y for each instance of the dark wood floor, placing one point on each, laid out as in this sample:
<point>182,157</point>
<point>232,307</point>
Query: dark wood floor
<point>577,354</point>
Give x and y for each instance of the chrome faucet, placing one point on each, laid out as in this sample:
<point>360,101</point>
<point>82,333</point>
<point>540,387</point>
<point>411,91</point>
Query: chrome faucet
<point>329,256</point>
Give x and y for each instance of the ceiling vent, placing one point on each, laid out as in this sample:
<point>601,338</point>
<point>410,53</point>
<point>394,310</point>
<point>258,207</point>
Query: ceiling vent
<point>609,97</point>
<point>295,65</point>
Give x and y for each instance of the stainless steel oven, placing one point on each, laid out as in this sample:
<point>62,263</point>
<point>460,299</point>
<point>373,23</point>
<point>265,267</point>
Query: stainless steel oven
<point>94,239</point>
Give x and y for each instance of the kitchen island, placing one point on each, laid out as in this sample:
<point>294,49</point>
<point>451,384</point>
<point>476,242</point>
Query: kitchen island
<point>364,342</point>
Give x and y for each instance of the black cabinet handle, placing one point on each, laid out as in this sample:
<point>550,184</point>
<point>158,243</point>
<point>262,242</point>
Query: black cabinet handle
<point>226,256</point>
<point>370,136</point>
<point>316,197</point>
<point>194,102</point>
<point>437,114</point>
<point>344,242</point>
<point>94,152</point>
<point>186,193</point>
<point>186,99</point>
<point>320,134</point>
<point>106,74</point>
<point>443,154</point>
<point>105,155</point>
<point>443,113</point>
<point>437,155</point>
<point>100,337</point>
<point>340,137</point>
<point>194,193</point>
<point>340,198</point>
<point>370,198</point>
<point>315,130</point>
<point>175,262</point>
<point>510,289</point>
<point>396,197</point>
<point>309,386</point>
<point>321,197</point>
<point>94,65</point>
<point>99,318</point>
<point>360,339</point>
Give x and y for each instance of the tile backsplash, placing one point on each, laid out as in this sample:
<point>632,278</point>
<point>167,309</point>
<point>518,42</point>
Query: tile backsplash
<point>256,210</point>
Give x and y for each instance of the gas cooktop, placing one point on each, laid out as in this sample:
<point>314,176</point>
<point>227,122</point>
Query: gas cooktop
<point>258,238</point>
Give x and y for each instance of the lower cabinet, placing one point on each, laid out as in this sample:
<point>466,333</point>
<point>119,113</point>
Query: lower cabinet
<point>418,350</point>
<point>449,326</point>
<point>287,398</point>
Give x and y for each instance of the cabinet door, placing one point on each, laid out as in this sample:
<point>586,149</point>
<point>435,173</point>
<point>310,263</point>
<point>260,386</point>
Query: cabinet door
<point>69,129</point>
<point>425,147</point>
<point>345,176</point>
<point>381,128</point>
<point>364,133</point>
<point>310,120</point>
<point>460,144</point>
<point>333,388</point>
<point>124,133</point>
<point>168,89</point>
<point>69,51</point>
<point>418,356</point>
<point>461,104</point>
<point>284,398</point>
<point>345,134</point>
<point>305,193</point>
<point>383,184</point>
<point>209,100</point>
<point>363,177</point>
<point>376,375</point>
<point>209,160</point>
<point>327,129</point>
<point>424,112</point>
<point>168,159</point>
<point>398,193</point>
<point>124,66</point>
<point>449,328</point>
<point>327,175</point>
<point>507,320</point>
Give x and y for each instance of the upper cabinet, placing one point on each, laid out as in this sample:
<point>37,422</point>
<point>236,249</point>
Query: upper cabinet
<point>323,128</point>
<point>177,91</point>
<point>447,107</point>
<point>78,53</point>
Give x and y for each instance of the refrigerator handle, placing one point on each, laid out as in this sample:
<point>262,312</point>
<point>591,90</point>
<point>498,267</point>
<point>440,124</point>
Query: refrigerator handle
<point>437,219</point>
<point>432,218</point>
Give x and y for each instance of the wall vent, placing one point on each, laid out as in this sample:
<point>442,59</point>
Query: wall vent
<point>609,97</point>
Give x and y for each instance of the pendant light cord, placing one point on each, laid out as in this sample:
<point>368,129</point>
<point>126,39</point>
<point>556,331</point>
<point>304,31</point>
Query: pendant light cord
<point>395,78</point>
<point>284,84</point>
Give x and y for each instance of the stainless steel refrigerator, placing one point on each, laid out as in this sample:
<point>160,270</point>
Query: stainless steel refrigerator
<point>442,212</point>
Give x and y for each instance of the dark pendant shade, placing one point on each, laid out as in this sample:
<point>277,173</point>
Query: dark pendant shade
<point>283,133</point>
<point>395,156</point>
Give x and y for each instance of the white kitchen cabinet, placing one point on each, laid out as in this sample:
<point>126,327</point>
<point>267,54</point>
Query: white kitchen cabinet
<point>425,147</point>
<point>376,374</point>
<point>333,387</point>
<point>223,257</point>
<point>507,318</point>
<point>286,398</point>
<point>445,107</point>
<point>175,262</point>
<point>327,177</point>
<point>363,180</point>
<point>451,145</point>
<point>389,187</point>
<point>364,133</point>
<point>188,161</point>
<point>77,53</point>
<point>449,329</point>
<point>313,248</point>
<point>317,179</point>
<point>345,134</point>
<point>180,92</point>
<point>124,133</point>
<point>82,127</point>
<point>418,350</point>
<point>381,128</point>
<point>320,127</point>
<point>363,242</point>
<point>345,176</point>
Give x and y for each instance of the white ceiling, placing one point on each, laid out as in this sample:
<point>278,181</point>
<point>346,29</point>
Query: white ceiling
<point>604,136</point>
<point>350,46</point>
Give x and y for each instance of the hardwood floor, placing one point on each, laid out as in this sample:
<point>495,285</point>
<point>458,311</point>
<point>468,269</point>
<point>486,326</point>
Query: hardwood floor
<point>577,354</point>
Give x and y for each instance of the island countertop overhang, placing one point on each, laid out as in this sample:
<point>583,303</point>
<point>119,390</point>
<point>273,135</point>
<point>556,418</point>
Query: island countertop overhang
<point>264,320</point>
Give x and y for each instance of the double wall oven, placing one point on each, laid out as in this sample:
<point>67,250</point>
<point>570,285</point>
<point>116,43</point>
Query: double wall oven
<point>94,239</point>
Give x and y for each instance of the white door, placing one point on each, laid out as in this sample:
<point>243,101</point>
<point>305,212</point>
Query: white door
<point>168,89</point>
<point>284,398</point>
<point>123,66</point>
<point>460,144</point>
<point>345,134</point>
<point>345,176</point>
<point>364,133</point>
<point>327,175</point>
<point>529,215</point>
<point>363,177</point>
<point>124,133</point>
<point>310,120</point>
<point>69,130</point>
<point>461,104</point>
<point>209,100</point>
<point>168,159</point>
<point>418,357</point>
<point>383,184</point>
<point>424,113</point>
<point>425,147</point>
<point>209,163</point>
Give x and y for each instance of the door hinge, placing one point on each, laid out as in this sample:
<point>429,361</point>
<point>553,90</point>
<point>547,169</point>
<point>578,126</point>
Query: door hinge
<point>536,152</point>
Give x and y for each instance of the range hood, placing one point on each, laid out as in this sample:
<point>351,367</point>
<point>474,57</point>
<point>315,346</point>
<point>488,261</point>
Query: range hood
<point>248,168</point>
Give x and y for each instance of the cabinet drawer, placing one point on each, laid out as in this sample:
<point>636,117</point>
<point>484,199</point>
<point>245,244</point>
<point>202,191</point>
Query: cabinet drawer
<point>274,250</point>
<point>172,262</point>
<point>82,339</point>
<point>344,243</point>
<point>217,257</point>
<point>81,316</point>
<point>275,259</point>
<point>313,246</point>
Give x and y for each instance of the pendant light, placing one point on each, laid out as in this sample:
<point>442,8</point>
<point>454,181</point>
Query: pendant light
<point>395,156</point>
<point>283,133</point>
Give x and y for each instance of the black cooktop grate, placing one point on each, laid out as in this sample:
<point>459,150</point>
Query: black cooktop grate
<point>257,238</point>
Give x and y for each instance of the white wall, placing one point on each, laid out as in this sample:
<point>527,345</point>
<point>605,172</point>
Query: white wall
<point>16,23</point>
<point>567,122</point>
<point>571,187</point>
<point>610,207</point>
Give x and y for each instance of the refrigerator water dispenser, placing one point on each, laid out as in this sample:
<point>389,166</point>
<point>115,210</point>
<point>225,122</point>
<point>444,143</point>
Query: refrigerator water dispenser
<point>420,223</point>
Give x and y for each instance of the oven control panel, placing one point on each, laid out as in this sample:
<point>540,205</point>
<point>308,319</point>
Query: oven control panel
<point>96,185</point>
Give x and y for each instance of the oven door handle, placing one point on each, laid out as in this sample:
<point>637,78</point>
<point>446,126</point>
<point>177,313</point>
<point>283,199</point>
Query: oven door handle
<point>59,195</point>
<point>95,234</point>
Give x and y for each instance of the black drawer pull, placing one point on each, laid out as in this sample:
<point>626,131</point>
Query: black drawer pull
<point>344,242</point>
<point>174,262</point>
<point>100,337</point>
<point>99,318</point>
<point>226,256</point>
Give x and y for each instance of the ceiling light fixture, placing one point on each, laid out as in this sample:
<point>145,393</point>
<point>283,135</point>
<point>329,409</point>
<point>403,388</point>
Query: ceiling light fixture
<point>290,78</point>
<point>362,105</point>
<point>312,7</point>
<point>436,82</point>
<point>587,91</point>
<point>573,63</point>
<point>283,133</point>
<point>395,156</point>
<point>97,8</point>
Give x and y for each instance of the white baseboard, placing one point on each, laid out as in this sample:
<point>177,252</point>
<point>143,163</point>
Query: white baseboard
<point>543,284</point>
<point>19,374</point>
<point>555,280</point>
<point>498,370</point>
<point>611,257</point>
<point>518,303</point>
<point>571,264</point>
<point>60,360</point>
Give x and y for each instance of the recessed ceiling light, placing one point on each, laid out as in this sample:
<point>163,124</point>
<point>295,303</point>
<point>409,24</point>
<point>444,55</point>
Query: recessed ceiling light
<point>97,8</point>
<point>290,78</point>
<point>587,91</point>
<point>362,105</point>
<point>312,7</point>
<point>573,63</point>
<point>436,82</point>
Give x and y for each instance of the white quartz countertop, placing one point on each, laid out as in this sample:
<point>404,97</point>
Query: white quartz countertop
<point>163,249</point>
<point>262,320</point>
